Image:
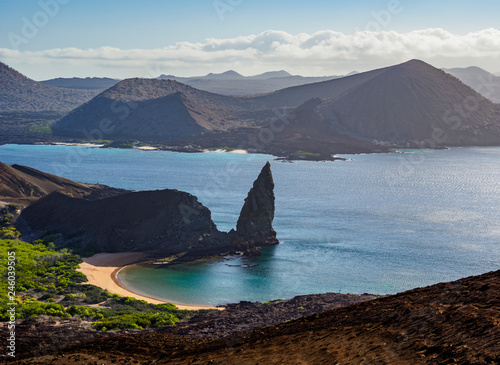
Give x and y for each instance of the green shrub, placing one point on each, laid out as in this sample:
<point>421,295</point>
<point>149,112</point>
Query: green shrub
<point>136,321</point>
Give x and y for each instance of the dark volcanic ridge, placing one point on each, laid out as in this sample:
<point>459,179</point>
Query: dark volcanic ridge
<point>19,93</point>
<point>408,105</point>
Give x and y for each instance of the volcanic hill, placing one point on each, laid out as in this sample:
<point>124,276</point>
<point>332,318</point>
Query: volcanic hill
<point>19,93</point>
<point>415,103</point>
<point>152,109</point>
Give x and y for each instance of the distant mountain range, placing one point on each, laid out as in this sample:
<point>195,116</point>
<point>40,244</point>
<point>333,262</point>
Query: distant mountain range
<point>485,83</point>
<point>411,104</point>
<point>19,93</point>
<point>232,83</point>
<point>226,83</point>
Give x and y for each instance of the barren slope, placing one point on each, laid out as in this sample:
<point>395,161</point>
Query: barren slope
<point>19,93</point>
<point>415,102</point>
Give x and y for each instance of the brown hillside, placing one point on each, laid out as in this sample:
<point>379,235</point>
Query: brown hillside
<point>19,93</point>
<point>22,185</point>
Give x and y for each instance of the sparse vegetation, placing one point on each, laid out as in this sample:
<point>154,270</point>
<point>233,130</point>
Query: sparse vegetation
<point>120,144</point>
<point>27,127</point>
<point>97,141</point>
<point>41,128</point>
<point>306,154</point>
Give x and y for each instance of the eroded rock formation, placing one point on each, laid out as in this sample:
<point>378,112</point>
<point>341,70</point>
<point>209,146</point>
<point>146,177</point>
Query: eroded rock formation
<point>255,223</point>
<point>165,222</point>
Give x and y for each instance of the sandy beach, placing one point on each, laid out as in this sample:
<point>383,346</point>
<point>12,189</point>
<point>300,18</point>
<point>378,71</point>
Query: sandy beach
<point>93,145</point>
<point>221,150</point>
<point>147,148</point>
<point>101,270</point>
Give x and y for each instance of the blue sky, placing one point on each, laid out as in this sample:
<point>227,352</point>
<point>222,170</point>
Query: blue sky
<point>154,25</point>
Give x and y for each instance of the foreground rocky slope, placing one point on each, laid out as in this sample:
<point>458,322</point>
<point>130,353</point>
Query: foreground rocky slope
<point>448,323</point>
<point>46,336</point>
<point>162,222</point>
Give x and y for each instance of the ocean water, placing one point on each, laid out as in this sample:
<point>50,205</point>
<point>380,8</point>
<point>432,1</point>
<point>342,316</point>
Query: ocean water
<point>380,223</point>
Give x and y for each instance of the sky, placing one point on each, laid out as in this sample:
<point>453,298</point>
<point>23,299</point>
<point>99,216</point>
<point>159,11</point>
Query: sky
<point>45,39</point>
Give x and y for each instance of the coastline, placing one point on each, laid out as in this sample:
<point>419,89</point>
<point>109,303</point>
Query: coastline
<point>102,268</point>
<point>143,148</point>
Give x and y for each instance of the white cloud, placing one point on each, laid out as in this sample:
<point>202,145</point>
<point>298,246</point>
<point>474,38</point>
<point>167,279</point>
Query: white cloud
<point>322,53</point>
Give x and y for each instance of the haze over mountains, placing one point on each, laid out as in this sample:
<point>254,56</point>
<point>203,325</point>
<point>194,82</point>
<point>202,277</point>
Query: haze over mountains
<point>226,83</point>
<point>233,83</point>
<point>485,83</point>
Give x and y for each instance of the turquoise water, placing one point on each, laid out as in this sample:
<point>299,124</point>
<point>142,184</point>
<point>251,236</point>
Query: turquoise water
<point>380,223</point>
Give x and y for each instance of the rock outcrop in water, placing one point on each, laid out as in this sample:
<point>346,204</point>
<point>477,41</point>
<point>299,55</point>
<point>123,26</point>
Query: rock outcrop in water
<point>255,223</point>
<point>164,222</point>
